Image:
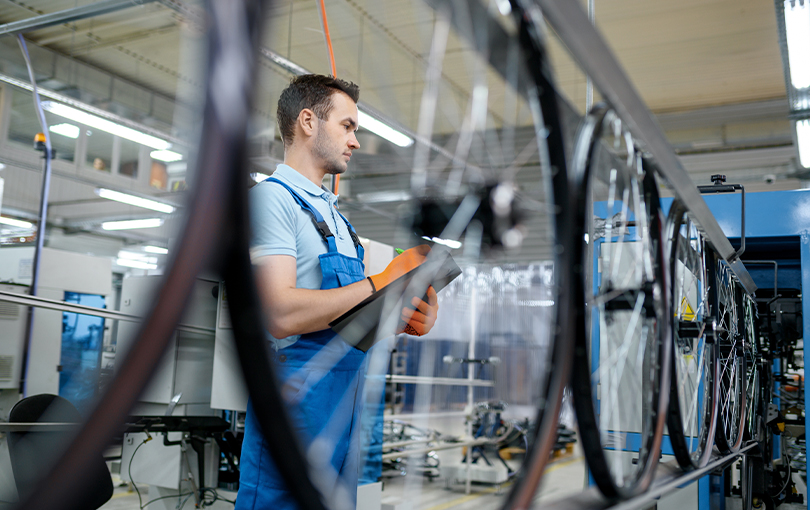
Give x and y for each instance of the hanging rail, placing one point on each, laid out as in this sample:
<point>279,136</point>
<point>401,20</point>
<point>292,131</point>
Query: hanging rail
<point>668,477</point>
<point>594,56</point>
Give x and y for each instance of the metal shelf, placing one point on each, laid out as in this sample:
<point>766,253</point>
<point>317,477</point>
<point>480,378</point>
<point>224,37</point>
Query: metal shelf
<point>63,306</point>
<point>444,381</point>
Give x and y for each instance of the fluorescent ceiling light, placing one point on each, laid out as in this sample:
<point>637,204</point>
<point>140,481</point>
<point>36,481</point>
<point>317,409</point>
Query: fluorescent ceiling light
<point>133,200</point>
<point>382,197</point>
<point>797,27</point>
<point>167,156</point>
<point>259,177</point>
<point>803,139</point>
<point>130,255</point>
<point>68,130</point>
<point>383,130</point>
<point>137,264</point>
<point>156,249</point>
<point>287,64</point>
<point>446,242</point>
<point>15,223</point>
<point>129,224</point>
<point>503,7</point>
<point>44,92</point>
<point>543,303</point>
<point>93,121</point>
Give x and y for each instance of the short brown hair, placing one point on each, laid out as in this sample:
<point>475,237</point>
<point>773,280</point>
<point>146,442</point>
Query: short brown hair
<point>312,91</point>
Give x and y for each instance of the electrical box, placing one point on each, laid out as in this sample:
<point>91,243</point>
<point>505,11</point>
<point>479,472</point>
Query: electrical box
<point>187,364</point>
<point>13,319</point>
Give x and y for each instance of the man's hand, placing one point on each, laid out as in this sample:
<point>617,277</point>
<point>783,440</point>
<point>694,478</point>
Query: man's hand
<point>402,263</point>
<point>420,321</point>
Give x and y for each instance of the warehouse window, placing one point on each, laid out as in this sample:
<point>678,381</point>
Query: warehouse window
<point>99,150</point>
<point>128,158</point>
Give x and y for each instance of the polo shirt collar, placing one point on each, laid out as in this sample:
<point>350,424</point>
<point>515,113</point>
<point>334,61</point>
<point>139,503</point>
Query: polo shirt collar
<point>292,176</point>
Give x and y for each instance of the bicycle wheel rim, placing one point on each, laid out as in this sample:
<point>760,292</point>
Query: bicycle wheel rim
<point>621,437</point>
<point>547,117</point>
<point>753,373</point>
<point>465,21</point>
<point>731,362</point>
<point>692,406</point>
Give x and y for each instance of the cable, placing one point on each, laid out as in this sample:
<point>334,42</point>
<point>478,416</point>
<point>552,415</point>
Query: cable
<point>331,53</point>
<point>215,494</point>
<point>178,496</point>
<point>787,480</point>
<point>328,38</point>
<point>129,471</point>
<point>143,505</point>
<point>43,214</point>
<point>181,505</point>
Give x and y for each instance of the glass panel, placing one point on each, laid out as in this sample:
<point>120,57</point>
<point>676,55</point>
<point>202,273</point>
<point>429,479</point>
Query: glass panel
<point>82,342</point>
<point>129,158</point>
<point>24,125</point>
<point>99,150</point>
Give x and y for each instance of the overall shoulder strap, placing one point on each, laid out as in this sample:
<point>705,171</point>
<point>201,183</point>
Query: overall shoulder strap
<point>317,219</point>
<point>353,233</point>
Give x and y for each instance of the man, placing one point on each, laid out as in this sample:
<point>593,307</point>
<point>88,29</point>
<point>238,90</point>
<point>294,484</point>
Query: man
<point>309,270</point>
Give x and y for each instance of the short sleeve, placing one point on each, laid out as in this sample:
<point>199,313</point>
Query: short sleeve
<point>273,214</point>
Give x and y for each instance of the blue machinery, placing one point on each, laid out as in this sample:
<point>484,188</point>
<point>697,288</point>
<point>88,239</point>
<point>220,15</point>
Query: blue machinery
<point>777,228</point>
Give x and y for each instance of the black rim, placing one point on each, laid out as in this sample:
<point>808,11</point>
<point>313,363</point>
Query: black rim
<point>753,372</point>
<point>547,117</point>
<point>587,417</point>
<point>687,458</point>
<point>731,362</point>
<point>217,218</point>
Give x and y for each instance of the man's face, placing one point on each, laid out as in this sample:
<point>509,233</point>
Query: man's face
<point>335,140</point>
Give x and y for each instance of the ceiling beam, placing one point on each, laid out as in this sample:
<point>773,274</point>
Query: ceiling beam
<point>68,15</point>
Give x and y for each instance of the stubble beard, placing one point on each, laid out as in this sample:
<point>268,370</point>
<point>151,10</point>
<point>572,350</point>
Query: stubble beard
<point>332,165</point>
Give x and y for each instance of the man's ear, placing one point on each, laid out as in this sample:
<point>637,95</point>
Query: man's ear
<point>307,121</point>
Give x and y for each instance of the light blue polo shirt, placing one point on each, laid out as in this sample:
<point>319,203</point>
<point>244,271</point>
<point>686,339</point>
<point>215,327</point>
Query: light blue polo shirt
<point>279,226</point>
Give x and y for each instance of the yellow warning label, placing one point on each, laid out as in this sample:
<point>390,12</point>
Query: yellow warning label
<point>687,313</point>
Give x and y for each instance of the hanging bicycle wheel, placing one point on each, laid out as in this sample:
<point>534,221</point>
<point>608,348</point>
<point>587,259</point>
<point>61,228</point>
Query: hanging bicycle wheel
<point>622,367</point>
<point>731,361</point>
<point>486,169</point>
<point>752,375</point>
<point>693,392</point>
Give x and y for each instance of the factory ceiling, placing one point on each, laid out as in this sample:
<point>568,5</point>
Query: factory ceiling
<point>710,70</point>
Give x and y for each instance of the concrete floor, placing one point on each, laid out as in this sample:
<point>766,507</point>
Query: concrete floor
<point>563,477</point>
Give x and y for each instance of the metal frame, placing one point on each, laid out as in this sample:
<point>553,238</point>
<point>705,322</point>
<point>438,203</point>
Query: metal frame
<point>443,381</point>
<point>38,426</point>
<point>668,477</point>
<point>68,15</point>
<point>62,306</point>
<point>791,209</point>
<point>444,446</point>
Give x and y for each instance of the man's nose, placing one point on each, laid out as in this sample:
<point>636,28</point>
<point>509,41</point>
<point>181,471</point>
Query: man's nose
<point>353,143</point>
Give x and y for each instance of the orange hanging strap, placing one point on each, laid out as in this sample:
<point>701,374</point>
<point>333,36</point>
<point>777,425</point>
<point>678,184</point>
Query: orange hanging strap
<point>325,23</point>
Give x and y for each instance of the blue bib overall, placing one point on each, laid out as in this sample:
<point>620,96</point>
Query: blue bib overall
<point>322,378</point>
